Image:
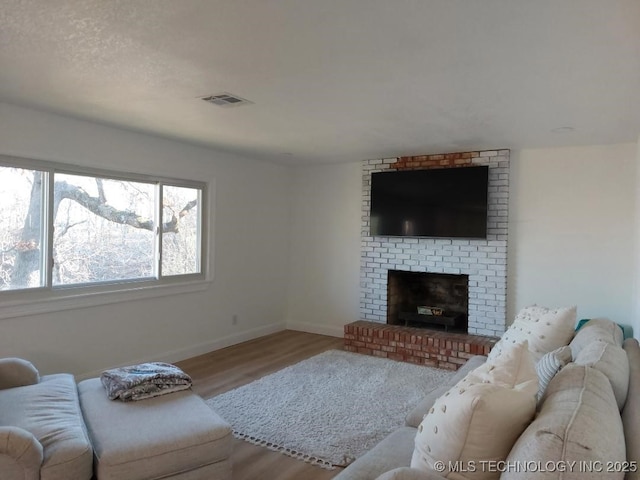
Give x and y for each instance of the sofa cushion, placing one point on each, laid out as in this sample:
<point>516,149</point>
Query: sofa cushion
<point>408,473</point>
<point>578,422</point>
<point>481,417</point>
<point>610,360</point>
<point>392,452</point>
<point>549,365</point>
<point>51,412</point>
<point>594,330</point>
<point>545,329</point>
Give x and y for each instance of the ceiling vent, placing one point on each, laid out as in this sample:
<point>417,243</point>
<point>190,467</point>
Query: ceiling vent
<point>226,99</point>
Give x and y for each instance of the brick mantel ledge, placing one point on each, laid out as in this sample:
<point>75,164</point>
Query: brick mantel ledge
<point>415,345</point>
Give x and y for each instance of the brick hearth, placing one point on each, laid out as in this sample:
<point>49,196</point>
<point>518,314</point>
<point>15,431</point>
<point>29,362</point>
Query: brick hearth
<point>415,345</point>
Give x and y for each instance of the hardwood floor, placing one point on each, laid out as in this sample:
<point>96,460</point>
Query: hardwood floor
<point>228,368</point>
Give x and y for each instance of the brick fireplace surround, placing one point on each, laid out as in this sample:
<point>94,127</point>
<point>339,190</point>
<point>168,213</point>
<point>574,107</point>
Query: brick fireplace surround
<point>484,261</point>
<point>415,345</point>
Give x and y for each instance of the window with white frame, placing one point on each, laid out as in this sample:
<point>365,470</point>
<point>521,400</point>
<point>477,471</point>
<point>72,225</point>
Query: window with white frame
<point>65,227</point>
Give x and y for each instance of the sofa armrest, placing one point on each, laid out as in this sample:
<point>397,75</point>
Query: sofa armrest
<point>21,454</point>
<point>16,372</point>
<point>406,473</point>
<point>631,410</point>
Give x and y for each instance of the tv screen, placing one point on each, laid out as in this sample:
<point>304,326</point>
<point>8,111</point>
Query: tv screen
<point>444,203</point>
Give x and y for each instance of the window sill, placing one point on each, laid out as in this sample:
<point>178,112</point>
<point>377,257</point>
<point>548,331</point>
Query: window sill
<point>71,301</point>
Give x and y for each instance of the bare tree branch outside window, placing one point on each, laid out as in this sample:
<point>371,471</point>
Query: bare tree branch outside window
<point>104,229</point>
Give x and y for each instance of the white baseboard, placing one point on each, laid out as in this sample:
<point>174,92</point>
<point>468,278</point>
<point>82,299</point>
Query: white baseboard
<point>330,330</point>
<point>195,350</point>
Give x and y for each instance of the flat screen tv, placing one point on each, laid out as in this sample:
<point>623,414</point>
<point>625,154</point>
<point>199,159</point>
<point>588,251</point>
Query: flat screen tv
<point>442,203</point>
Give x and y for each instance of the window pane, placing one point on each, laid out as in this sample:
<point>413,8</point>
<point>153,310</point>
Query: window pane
<point>21,249</point>
<point>180,232</point>
<point>104,230</point>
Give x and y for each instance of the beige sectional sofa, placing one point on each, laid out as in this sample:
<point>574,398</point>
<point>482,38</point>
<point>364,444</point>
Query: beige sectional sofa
<point>586,423</point>
<point>53,429</point>
<point>42,432</point>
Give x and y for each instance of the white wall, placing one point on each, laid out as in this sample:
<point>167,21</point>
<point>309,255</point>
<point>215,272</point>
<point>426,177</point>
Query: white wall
<point>287,245</point>
<point>250,247</point>
<point>636,316</point>
<point>572,227</point>
<point>324,291</point>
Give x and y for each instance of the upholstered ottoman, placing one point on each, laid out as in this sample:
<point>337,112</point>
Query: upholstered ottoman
<point>173,436</point>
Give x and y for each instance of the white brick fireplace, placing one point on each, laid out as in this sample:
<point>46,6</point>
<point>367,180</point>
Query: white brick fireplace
<point>484,261</point>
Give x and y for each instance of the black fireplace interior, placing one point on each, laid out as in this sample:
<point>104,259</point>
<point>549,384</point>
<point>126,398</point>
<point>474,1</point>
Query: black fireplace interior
<point>436,301</point>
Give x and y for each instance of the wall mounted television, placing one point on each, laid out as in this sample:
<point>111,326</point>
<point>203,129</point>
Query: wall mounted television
<point>441,203</point>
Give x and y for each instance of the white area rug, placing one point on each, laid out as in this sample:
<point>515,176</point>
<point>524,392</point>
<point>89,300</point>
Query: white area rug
<point>329,409</point>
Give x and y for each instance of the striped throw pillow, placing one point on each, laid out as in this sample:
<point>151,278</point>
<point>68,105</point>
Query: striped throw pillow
<point>549,364</point>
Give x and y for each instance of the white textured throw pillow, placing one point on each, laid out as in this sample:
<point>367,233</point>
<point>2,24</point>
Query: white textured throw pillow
<point>545,329</point>
<point>549,365</point>
<point>480,418</point>
<point>515,367</point>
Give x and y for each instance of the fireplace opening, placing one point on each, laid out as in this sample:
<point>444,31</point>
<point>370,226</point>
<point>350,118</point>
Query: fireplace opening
<point>438,301</point>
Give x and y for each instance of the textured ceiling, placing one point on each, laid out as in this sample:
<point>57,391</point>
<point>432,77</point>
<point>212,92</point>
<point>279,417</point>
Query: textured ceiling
<point>333,80</point>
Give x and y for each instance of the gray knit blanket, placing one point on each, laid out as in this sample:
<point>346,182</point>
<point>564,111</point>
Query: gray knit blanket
<point>146,380</point>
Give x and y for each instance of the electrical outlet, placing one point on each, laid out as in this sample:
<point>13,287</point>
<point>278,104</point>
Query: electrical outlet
<point>234,319</point>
